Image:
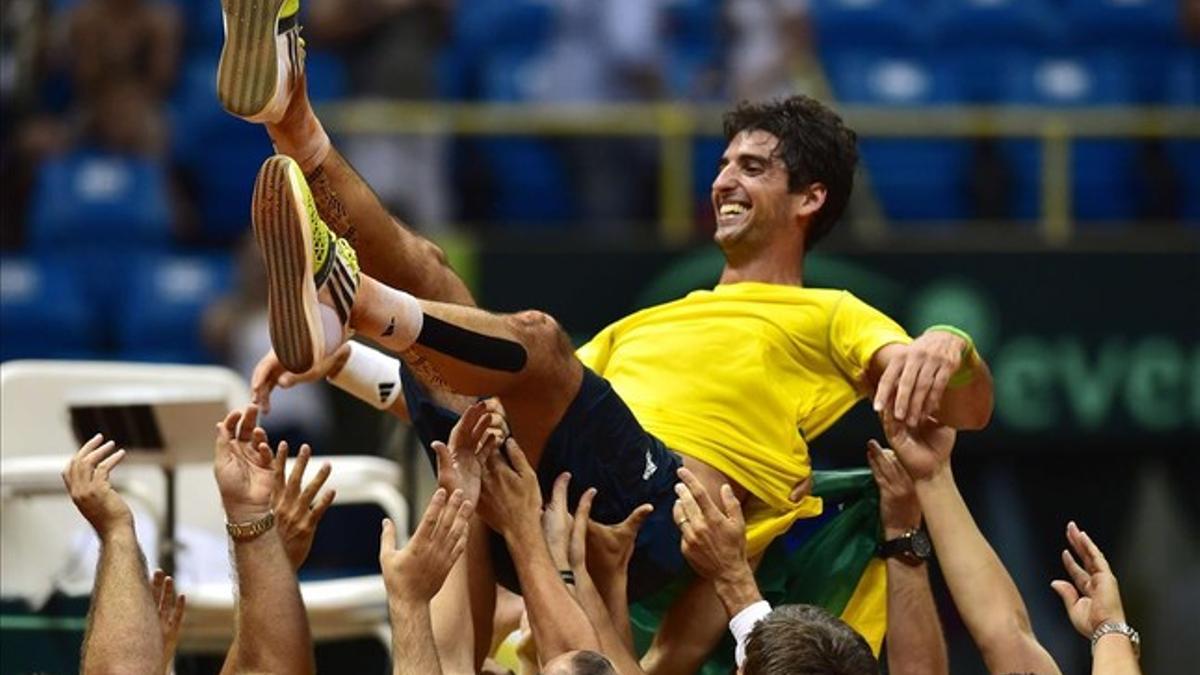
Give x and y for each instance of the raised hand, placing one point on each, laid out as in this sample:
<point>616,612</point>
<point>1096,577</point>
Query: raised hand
<point>899,509</point>
<point>416,572</point>
<point>610,547</point>
<point>714,537</point>
<point>86,478</point>
<point>923,450</point>
<point>557,523</point>
<point>270,373</point>
<point>298,510</point>
<point>1092,596</point>
<point>243,466</point>
<point>912,385</point>
<point>477,433</point>
<point>510,497</point>
<point>170,615</point>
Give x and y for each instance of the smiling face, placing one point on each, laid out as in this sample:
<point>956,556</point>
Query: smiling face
<point>754,209</point>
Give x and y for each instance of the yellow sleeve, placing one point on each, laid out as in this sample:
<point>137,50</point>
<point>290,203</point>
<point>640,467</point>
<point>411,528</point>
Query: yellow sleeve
<point>858,330</point>
<point>595,353</point>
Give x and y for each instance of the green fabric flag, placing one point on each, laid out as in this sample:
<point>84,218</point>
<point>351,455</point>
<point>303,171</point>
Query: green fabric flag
<point>818,562</point>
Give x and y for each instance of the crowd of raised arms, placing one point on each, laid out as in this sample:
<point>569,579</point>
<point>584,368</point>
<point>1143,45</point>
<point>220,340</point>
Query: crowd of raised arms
<point>569,565</point>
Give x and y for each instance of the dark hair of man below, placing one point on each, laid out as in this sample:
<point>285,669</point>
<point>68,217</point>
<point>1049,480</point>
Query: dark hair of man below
<point>806,640</point>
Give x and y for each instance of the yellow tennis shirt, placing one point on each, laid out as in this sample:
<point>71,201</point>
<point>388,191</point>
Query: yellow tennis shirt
<point>742,377</point>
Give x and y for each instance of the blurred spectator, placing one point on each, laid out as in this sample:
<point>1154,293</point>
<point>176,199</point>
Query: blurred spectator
<point>770,48</point>
<point>236,330</point>
<point>603,52</point>
<point>391,48</point>
<point>27,134</point>
<point>116,41</point>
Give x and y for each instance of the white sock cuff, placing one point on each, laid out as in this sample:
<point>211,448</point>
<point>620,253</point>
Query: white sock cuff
<point>370,376</point>
<point>404,327</point>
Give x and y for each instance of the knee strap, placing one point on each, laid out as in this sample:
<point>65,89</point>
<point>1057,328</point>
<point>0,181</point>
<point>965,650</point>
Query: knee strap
<point>470,347</point>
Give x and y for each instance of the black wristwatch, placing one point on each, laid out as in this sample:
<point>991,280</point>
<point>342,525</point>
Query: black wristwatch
<point>911,548</point>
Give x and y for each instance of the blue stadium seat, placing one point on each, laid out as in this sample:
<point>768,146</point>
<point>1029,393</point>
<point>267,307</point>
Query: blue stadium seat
<point>1100,169</point>
<point>529,179</point>
<point>44,312</point>
<point>1184,90</point>
<point>915,179</point>
<point>90,198</point>
<point>161,316</point>
<point>981,38</point>
<point>1123,23</point>
<point>870,24</point>
<point>219,154</point>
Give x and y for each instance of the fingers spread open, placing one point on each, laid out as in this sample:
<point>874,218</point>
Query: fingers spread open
<point>314,486</point>
<point>322,505</point>
<point>93,458</point>
<point>92,443</point>
<point>433,513</point>
<point>249,420</point>
<point>733,508</point>
<point>109,462</point>
<point>298,469</point>
<point>517,457</point>
<point>1078,576</point>
<point>687,501</point>
<point>1066,591</point>
<point>698,493</point>
<point>230,423</point>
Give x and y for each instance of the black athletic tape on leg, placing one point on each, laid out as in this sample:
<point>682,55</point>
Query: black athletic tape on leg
<point>473,348</point>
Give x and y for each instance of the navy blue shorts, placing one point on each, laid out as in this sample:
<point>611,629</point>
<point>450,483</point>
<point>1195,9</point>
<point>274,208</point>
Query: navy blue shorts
<point>603,446</point>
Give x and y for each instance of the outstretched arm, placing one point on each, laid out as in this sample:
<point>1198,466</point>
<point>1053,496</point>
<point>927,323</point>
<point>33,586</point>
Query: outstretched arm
<point>939,374</point>
<point>984,593</point>
<point>415,573</point>
<point>510,503</point>
<point>915,643</point>
<point>269,605</point>
<point>1093,603</point>
<point>122,633</point>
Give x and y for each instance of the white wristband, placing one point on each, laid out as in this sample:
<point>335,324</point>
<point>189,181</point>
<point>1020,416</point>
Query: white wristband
<point>743,622</point>
<point>370,376</point>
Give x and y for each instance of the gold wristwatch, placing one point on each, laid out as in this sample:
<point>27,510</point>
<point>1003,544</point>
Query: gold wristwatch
<point>252,529</point>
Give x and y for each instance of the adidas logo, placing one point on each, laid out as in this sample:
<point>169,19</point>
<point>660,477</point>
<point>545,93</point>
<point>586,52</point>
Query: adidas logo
<point>385,390</point>
<point>651,467</point>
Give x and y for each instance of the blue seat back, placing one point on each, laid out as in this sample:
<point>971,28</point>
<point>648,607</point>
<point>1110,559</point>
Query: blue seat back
<point>914,179</point>
<point>90,197</point>
<point>162,313</point>
<point>44,312</point>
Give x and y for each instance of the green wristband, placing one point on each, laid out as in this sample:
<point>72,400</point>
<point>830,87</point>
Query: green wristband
<point>965,372</point>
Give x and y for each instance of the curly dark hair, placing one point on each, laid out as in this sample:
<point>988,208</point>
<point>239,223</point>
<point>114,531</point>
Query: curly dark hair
<point>814,143</point>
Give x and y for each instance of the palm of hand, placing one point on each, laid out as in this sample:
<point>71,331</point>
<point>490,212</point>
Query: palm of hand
<point>242,479</point>
<point>610,547</point>
<point>922,450</point>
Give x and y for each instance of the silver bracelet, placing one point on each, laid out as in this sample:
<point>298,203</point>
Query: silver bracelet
<point>1109,627</point>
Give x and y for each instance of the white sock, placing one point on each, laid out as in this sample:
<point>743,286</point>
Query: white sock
<point>332,327</point>
<point>370,376</point>
<point>406,319</point>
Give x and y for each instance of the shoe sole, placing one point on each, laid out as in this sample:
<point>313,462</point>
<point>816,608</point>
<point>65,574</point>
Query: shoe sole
<point>285,239</point>
<point>247,73</point>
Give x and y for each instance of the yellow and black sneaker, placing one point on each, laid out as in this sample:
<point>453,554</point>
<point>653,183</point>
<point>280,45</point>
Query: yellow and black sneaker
<point>262,58</point>
<point>307,266</point>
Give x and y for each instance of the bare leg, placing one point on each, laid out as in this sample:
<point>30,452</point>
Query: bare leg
<point>536,379</point>
<point>387,249</point>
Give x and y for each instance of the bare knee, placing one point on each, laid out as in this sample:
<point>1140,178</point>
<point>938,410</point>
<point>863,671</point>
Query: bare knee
<point>542,333</point>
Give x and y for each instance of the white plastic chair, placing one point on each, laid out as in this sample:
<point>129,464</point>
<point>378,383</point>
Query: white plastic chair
<point>37,441</point>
